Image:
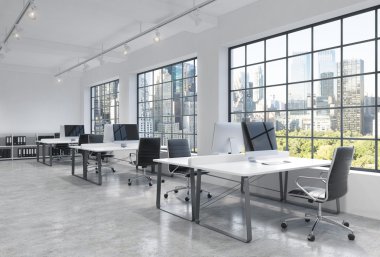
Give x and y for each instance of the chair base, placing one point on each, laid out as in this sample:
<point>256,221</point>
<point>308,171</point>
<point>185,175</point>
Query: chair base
<point>188,188</point>
<point>142,176</point>
<point>319,218</point>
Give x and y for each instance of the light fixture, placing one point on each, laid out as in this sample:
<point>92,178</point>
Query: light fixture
<point>2,56</point>
<point>32,14</point>
<point>16,35</point>
<point>126,49</point>
<point>142,33</point>
<point>59,80</point>
<point>157,36</point>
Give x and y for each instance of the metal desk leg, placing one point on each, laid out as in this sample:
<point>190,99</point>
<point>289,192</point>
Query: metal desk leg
<point>99,160</point>
<point>198,196</point>
<point>242,185</point>
<point>281,186</point>
<point>158,196</point>
<point>72,161</point>
<point>193,197</point>
<point>51,154</point>
<point>43,153</point>
<point>286,185</point>
<point>337,206</point>
<point>38,151</point>
<point>85,160</point>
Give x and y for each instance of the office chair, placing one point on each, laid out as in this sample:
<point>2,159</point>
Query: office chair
<point>334,186</point>
<point>149,149</point>
<point>180,148</point>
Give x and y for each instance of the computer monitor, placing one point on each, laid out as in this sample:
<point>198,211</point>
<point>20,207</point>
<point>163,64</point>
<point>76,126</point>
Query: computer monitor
<point>228,138</point>
<point>259,136</point>
<point>73,130</point>
<point>123,132</point>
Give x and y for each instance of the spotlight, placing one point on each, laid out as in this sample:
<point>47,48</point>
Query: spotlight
<point>126,49</point>
<point>16,35</point>
<point>59,80</point>
<point>33,11</point>
<point>157,36</point>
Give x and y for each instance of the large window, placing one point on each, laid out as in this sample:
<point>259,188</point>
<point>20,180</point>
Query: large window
<point>318,84</point>
<point>104,105</point>
<point>167,102</point>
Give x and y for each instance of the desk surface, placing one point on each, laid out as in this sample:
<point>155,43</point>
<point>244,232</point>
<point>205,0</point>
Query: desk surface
<point>106,147</point>
<point>58,141</point>
<point>245,168</point>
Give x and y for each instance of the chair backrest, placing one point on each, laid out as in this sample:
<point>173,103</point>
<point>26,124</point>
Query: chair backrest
<point>178,148</point>
<point>84,139</point>
<point>259,136</point>
<point>95,139</point>
<point>149,149</point>
<point>338,173</point>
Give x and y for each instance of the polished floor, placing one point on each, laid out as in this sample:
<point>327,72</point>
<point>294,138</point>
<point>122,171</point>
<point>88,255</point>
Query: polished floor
<point>44,211</point>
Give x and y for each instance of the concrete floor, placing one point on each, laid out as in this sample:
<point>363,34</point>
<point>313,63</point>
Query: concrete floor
<point>44,211</point>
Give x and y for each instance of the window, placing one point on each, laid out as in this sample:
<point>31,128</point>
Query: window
<point>318,84</point>
<point>167,102</point>
<point>104,105</point>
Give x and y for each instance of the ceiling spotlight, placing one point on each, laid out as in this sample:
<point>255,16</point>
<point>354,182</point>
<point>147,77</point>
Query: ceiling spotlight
<point>59,80</point>
<point>33,11</point>
<point>16,35</point>
<point>126,49</point>
<point>157,36</point>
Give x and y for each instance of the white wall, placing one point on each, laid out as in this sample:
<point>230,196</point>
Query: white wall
<point>262,18</point>
<point>34,102</point>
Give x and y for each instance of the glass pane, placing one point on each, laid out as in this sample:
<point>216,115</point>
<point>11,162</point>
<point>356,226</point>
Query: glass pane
<point>326,63</point>
<point>237,101</point>
<point>157,76</point>
<point>255,99</point>
<point>327,35</point>
<point>167,74</point>
<point>325,123</point>
<point>149,93</point>
<point>299,42</point>
<point>167,107</point>
<point>358,58</point>
<point>177,90</point>
<point>188,69</point>
<point>189,87</point>
<point>276,72</point>
<point>256,116</point>
<point>299,123</point>
<point>238,57</point>
<point>279,121</point>
<point>188,124</point>
<point>364,156</point>
<point>141,109</point>
<point>177,71</point>
<point>255,52</point>
<point>238,117</point>
<point>276,47</point>
<point>255,76</point>
<point>300,68</point>
<point>299,96</point>
<point>358,122</point>
<point>167,90</point>
<point>237,78</point>
<point>149,78</point>
<point>157,92</point>
<point>149,109</point>
<point>324,148</point>
<point>188,106</point>
<point>142,94</point>
<point>276,98</point>
<point>358,90</point>
<point>326,95</point>
<point>299,147</point>
<point>359,27</point>
<point>177,107</point>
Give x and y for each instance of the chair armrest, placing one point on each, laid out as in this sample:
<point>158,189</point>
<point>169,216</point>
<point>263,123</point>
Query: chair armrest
<point>306,178</point>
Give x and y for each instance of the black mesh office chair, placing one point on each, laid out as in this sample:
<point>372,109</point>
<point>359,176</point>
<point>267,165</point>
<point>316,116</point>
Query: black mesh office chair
<point>180,148</point>
<point>149,149</point>
<point>334,185</point>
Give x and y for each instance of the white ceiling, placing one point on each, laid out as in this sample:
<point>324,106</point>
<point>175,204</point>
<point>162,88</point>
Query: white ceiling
<point>69,31</point>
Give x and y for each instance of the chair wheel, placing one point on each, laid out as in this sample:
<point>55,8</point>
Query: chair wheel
<point>150,184</point>
<point>284,225</point>
<point>163,181</point>
<point>129,183</point>
<point>129,180</point>
<point>113,170</point>
<point>165,195</point>
<point>175,191</point>
<point>311,237</point>
<point>209,195</point>
<point>187,199</point>
<point>346,223</point>
<point>201,190</point>
<point>351,236</point>
<point>307,220</point>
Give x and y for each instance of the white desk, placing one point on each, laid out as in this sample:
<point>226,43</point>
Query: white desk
<point>98,149</point>
<point>50,142</point>
<point>233,165</point>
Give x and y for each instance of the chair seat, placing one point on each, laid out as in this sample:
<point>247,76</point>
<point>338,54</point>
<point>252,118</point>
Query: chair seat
<point>318,193</point>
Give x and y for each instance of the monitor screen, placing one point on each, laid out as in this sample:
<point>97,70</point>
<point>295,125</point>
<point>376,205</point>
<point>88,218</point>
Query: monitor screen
<point>74,130</point>
<point>228,138</point>
<point>260,136</point>
<point>123,132</point>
